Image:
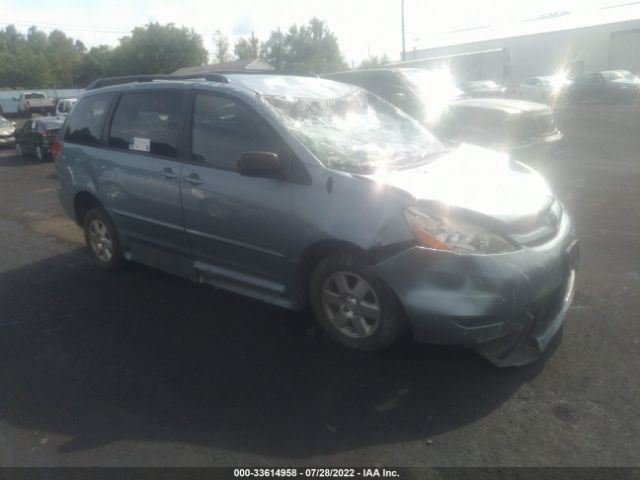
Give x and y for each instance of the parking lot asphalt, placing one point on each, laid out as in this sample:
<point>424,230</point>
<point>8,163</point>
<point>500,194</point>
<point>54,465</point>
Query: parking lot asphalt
<point>142,368</point>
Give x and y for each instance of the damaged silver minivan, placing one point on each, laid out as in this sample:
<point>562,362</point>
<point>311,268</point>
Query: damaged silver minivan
<point>302,191</point>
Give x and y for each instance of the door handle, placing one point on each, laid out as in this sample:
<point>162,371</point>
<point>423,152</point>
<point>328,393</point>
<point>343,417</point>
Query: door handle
<point>168,174</point>
<point>193,179</point>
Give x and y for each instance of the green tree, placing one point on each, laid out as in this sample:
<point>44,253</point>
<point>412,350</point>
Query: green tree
<point>12,41</point>
<point>221,43</point>
<point>308,48</point>
<point>63,58</point>
<point>37,40</point>
<point>274,50</point>
<point>373,62</point>
<point>26,70</point>
<point>97,63</point>
<point>157,48</point>
<point>80,47</point>
<point>23,60</point>
<point>247,48</point>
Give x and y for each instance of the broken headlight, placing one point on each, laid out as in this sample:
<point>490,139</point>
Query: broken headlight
<point>455,235</point>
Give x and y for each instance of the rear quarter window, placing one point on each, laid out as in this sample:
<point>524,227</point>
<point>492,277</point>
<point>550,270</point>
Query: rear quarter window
<point>86,121</point>
<point>148,122</point>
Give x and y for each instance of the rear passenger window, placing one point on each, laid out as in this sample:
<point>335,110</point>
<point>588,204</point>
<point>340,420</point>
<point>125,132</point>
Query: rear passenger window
<point>148,122</point>
<point>87,120</point>
<point>223,129</point>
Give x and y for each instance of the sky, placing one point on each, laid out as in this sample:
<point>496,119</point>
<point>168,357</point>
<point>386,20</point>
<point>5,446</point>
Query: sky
<point>364,27</point>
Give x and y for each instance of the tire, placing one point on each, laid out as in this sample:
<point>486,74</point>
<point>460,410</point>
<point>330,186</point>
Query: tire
<point>39,153</point>
<point>19,150</point>
<point>363,316</point>
<point>103,240</point>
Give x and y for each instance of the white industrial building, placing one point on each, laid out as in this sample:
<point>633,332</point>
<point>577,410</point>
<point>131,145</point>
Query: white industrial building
<point>543,46</point>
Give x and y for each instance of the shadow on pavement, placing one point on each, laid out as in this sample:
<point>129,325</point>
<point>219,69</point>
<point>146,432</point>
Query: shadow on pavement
<point>12,160</point>
<point>146,356</point>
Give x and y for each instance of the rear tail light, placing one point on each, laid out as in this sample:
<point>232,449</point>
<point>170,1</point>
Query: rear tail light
<point>55,149</point>
<point>50,133</point>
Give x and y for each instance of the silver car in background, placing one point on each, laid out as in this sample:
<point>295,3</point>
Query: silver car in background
<point>7,132</point>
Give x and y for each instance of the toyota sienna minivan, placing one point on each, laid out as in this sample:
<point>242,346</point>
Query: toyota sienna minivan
<point>307,192</point>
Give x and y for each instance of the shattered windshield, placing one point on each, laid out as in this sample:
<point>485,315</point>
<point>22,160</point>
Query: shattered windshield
<point>357,132</point>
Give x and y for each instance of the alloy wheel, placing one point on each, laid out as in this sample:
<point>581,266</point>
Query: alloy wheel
<point>100,240</point>
<point>351,304</point>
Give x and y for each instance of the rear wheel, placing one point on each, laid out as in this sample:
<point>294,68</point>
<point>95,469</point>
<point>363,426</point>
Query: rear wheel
<point>40,153</point>
<point>102,239</point>
<point>19,150</point>
<point>352,305</point>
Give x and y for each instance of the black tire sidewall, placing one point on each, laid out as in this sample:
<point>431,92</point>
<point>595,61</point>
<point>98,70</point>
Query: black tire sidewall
<point>391,316</point>
<point>117,259</point>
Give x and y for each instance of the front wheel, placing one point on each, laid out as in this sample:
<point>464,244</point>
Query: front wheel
<point>352,305</point>
<point>19,150</point>
<point>102,239</point>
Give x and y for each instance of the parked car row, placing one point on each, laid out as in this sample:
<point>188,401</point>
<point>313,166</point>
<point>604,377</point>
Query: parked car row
<point>544,89</point>
<point>38,102</point>
<point>612,86</point>
<point>308,192</point>
<point>484,88</point>
<point>608,86</point>
<point>35,136</point>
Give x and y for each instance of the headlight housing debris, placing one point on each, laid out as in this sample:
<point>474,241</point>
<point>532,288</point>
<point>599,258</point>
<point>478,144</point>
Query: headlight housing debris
<point>455,235</point>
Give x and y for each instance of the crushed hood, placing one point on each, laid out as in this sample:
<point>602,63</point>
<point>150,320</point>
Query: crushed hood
<point>475,179</point>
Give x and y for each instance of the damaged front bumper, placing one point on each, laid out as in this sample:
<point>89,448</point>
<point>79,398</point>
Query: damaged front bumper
<point>508,307</point>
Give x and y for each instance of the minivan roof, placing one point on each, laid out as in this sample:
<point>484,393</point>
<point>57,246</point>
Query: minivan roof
<point>262,84</point>
<point>371,70</point>
<point>286,85</point>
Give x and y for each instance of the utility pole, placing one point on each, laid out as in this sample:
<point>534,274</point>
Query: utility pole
<point>404,52</point>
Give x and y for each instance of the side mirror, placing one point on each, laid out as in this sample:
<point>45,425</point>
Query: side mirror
<point>260,164</point>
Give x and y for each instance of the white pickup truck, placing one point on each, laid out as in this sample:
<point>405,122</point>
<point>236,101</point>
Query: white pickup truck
<point>32,102</point>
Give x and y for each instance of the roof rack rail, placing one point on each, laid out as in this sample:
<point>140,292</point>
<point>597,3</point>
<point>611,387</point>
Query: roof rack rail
<point>269,72</point>
<point>107,82</point>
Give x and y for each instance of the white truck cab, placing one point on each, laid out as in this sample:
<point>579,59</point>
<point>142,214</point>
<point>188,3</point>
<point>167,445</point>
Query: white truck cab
<point>32,102</point>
